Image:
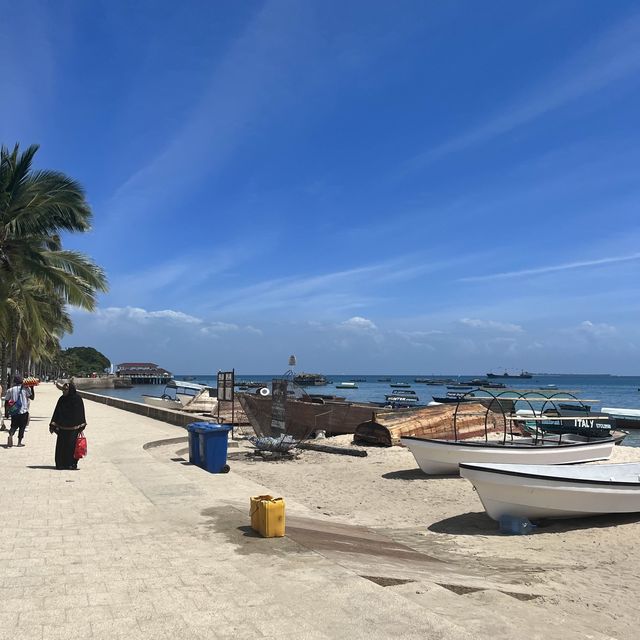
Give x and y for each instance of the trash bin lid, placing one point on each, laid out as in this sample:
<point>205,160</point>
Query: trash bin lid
<point>193,426</point>
<point>220,427</point>
<point>210,427</point>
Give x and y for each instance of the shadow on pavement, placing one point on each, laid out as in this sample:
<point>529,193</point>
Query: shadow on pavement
<point>41,466</point>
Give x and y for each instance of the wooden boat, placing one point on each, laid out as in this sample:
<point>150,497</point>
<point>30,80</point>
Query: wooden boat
<point>548,491</point>
<point>386,428</point>
<point>335,416</point>
<point>436,457</point>
<point>307,415</point>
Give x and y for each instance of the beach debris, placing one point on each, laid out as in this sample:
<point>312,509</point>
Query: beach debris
<point>312,446</point>
<point>281,444</point>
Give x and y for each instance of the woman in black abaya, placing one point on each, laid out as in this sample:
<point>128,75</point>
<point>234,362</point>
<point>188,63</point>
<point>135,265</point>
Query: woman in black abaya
<point>68,421</point>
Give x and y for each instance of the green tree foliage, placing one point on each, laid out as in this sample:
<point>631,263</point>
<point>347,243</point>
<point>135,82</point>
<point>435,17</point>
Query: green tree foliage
<point>79,361</point>
<point>38,277</point>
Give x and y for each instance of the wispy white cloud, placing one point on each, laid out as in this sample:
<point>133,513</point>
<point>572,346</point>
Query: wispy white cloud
<point>122,317</point>
<point>551,268</point>
<point>328,293</point>
<point>137,314</point>
<point>611,58</point>
<point>358,323</point>
<point>185,275</point>
<point>597,329</point>
<point>477,323</point>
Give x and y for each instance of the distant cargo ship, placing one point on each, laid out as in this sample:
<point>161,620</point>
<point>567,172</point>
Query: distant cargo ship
<point>522,374</point>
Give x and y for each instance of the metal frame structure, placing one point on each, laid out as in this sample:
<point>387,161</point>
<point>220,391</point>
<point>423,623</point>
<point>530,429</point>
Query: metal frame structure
<point>521,396</point>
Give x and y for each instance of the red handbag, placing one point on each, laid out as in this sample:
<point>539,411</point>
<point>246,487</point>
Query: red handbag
<point>81,447</point>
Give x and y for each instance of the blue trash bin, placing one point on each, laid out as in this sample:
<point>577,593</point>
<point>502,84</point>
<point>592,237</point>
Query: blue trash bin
<point>213,447</point>
<point>194,441</point>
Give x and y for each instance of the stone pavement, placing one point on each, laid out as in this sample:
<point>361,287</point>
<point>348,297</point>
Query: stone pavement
<point>139,545</point>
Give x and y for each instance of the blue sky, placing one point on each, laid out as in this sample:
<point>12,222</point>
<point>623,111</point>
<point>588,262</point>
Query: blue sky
<point>397,187</point>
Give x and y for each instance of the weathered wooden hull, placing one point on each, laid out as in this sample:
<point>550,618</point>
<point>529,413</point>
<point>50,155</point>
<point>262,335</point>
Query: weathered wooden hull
<point>304,418</point>
<point>370,423</point>
<point>388,427</point>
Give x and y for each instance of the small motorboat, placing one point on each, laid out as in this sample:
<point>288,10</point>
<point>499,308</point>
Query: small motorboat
<point>347,385</point>
<point>401,385</point>
<point>407,398</point>
<point>438,457</point>
<point>179,395</point>
<point>549,491</point>
<point>623,418</point>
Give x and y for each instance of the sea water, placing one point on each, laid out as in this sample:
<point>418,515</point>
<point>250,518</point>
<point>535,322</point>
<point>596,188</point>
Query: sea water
<point>600,390</point>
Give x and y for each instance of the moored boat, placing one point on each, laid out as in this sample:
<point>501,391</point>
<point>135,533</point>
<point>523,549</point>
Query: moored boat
<point>548,491</point>
<point>567,421</point>
<point>179,395</point>
<point>622,418</point>
<point>310,380</point>
<point>406,398</point>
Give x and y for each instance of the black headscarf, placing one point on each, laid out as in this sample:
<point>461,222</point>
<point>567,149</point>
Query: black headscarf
<point>69,411</point>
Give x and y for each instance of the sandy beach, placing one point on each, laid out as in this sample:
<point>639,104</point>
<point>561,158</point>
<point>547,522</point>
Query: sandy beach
<point>583,570</point>
<point>142,544</point>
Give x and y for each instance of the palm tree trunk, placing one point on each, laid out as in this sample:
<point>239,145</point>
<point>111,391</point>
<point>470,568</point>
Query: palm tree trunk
<point>14,348</point>
<point>3,362</point>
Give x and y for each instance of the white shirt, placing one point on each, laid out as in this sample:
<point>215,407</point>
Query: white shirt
<point>19,390</point>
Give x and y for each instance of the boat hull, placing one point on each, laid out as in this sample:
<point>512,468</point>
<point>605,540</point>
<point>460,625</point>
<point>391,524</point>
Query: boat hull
<point>163,403</point>
<point>337,416</point>
<point>524,491</point>
<point>304,418</point>
<point>623,418</point>
<point>442,457</point>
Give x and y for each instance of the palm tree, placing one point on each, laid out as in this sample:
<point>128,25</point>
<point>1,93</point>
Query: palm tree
<point>37,276</point>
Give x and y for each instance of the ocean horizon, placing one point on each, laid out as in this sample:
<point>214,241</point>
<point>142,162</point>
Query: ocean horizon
<point>596,390</point>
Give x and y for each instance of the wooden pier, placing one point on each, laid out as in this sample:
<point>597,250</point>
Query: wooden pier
<point>143,373</point>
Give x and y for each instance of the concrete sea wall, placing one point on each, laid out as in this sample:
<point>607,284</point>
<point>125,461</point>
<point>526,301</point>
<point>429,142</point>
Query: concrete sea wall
<point>177,418</point>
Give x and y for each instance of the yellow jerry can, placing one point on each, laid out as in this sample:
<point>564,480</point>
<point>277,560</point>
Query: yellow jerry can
<point>268,518</point>
<point>254,508</point>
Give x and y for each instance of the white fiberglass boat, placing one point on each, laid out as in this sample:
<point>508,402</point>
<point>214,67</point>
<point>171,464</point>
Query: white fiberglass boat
<point>184,396</point>
<point>548,491</point>
<point>436,457</point>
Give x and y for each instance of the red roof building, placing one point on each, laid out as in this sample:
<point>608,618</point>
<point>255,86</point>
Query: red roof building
<point>143,372</point>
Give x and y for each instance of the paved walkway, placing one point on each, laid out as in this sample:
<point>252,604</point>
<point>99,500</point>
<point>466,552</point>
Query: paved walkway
<point>138,545</point>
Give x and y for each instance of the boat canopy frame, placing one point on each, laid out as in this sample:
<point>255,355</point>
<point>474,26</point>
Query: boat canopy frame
<point>508,420</point>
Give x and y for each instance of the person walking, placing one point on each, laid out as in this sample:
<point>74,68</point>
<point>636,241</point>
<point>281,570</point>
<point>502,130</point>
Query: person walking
<point>67,422</point>
<point>16,406</point>
<point>2,426</point>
